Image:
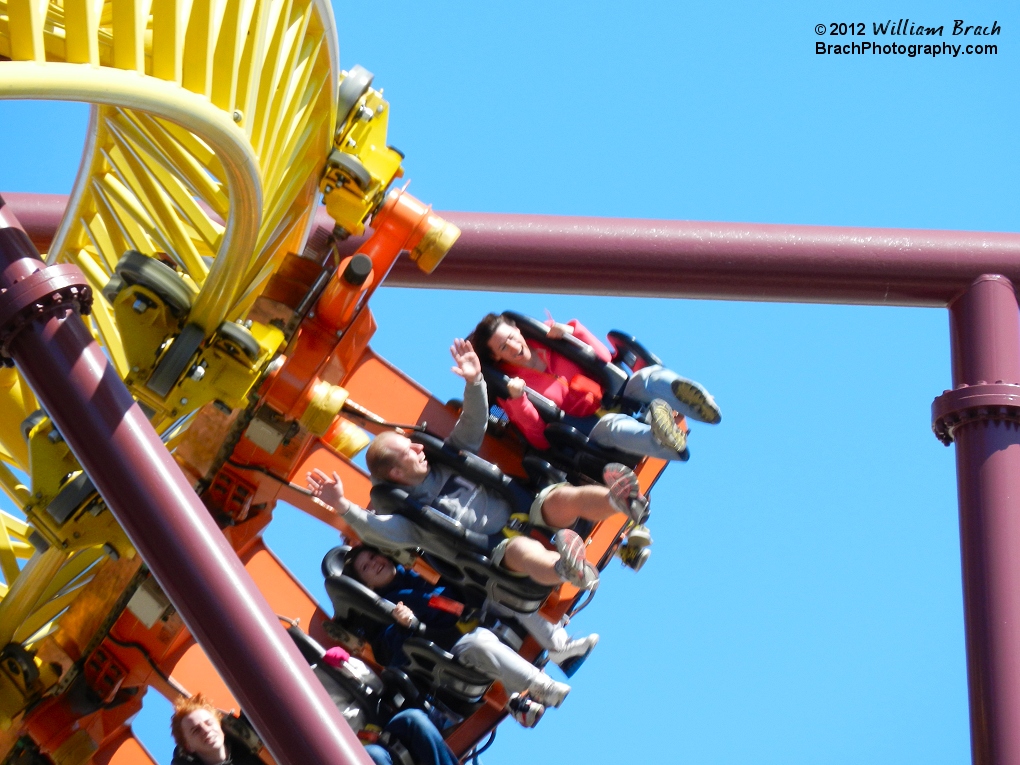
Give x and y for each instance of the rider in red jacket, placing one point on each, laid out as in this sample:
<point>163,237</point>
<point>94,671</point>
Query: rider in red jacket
<point>533,365</point>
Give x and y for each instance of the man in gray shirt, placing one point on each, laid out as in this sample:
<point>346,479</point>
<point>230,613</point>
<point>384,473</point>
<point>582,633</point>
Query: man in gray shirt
<point>396,459</point>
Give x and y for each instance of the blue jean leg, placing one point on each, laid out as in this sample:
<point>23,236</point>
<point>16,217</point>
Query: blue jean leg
<point>655,382</point>
<point>378,755</point>
<point>623,432</point>
<point>420,737</point>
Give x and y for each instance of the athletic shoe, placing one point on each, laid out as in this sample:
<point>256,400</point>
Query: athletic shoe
<point>545,690</point>
<point>579,647</point>
<point>525,711</point>
<point>572,565</point>
<point>699,399</point>
<point>625,491</point>
<point>665,431</point>
<point>634,557</point>
<point>639,536</point>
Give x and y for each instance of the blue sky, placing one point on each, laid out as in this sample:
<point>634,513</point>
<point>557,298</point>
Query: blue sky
<point>803,601</point>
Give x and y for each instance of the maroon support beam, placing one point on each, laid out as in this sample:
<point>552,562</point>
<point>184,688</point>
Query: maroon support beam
<point>810,264</point>
<point>729,261</point>
<point>982,414</point>
<point>732,261</point>
<point>164,519</point>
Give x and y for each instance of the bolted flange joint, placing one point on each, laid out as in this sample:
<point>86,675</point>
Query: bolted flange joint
<point>981,402</point>
<point>41,294</point>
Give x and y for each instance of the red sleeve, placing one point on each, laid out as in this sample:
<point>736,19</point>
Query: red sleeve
<point>581,333</point>
<point>523,414</point>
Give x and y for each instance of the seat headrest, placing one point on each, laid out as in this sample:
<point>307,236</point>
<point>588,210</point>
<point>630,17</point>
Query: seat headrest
<point>471,466</point>
<point>388,498</point>
<point>333,561</point>
<point>612,378</point>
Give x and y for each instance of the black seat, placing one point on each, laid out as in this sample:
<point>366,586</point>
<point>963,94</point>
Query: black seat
<point>612,378</point>
<point>570,448</point>
<point>354,604</point>
<point>430,663</point>
<point>359,610</point>
<point>627,351</point>
<point>398,691</point>
<point>460,555</point>
<point>476,470</point>
<point>340,685</point>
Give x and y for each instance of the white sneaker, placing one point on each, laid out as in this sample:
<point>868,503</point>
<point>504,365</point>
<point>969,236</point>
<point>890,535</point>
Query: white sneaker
<point>639,536</point>
<point>545,690</point>
<point>527,712</point>
<point>579,647</point>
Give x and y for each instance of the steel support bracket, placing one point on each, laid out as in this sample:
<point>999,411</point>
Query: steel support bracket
<point>39,295</point>
<point>999,402</point>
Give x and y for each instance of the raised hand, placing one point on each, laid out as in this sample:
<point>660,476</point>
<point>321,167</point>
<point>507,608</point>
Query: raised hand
<point>468,365</point>
<point>558,330</point>
<point>329,491</point>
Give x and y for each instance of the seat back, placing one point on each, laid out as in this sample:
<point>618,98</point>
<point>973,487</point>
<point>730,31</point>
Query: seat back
<point>343,687</point>
<point>459,555</point>
<point>628,351</point>
<point>354,605</point>
<point>446,532</point>
<point>440,670</point>
<point>612,378</point>
<point>469,465</point>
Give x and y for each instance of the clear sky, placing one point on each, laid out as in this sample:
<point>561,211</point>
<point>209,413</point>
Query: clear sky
<point>803,601</point>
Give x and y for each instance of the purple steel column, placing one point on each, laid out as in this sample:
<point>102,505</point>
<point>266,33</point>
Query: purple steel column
<point>167,523</point>
<point>983,410</point>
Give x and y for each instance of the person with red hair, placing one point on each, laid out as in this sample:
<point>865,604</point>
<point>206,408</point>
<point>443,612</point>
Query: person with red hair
<point>198,733</point>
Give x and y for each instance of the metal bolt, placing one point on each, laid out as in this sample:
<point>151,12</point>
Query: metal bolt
<point>184,401</point>
<point>380,109</point>
<point>238,115</point>
<point>140,306</point>
<point>197,372</point>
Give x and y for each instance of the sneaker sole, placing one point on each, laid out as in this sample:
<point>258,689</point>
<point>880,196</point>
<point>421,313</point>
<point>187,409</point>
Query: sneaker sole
<point>528,718</point>
<point>586,647</point>
<point>664,428</point>
<point>571,549</point>
<point>625,491</point>
<point>699,399</point>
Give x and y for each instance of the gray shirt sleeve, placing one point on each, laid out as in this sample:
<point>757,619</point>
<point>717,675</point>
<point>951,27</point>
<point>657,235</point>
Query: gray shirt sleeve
<point>469,432</point>
<point>385,531</point>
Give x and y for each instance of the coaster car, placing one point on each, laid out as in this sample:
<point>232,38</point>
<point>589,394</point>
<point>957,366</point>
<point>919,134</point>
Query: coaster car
<point>438,678</point>
<point>462,556</point>
<point>571,449</point>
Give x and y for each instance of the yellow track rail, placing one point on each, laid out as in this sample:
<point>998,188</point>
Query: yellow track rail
<point>210,126</point>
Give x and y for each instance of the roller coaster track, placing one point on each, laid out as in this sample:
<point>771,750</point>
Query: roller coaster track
<point>209,131</point>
